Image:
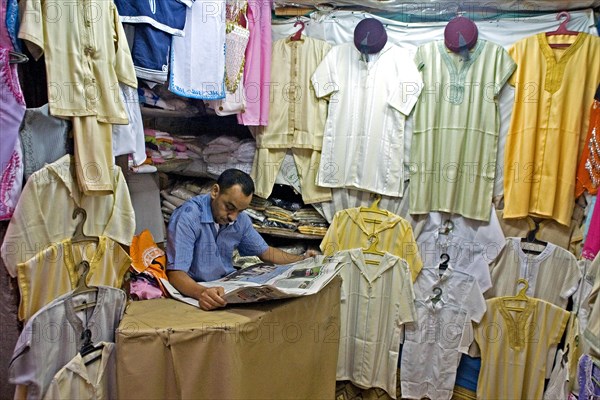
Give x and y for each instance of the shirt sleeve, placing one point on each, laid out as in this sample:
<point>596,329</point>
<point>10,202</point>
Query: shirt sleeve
<point>123,62</point>
<point>182,235</point>
<point>513,52</point>
<point>476,303</point>
<point>505,66</point>
<point>324,79</point>
<point>405,95</point>
<point>330,243</point>
<point>251,244</point>
<point>410,252</point>
<point>32,27</point>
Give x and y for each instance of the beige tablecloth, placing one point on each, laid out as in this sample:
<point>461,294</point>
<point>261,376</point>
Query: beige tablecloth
<point>284,349</point>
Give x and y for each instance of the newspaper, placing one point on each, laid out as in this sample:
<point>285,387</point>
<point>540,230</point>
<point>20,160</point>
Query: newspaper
<point>262,282</point>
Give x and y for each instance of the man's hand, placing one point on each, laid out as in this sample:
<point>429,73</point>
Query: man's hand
<point>310,253</point>
<point>211,298</point>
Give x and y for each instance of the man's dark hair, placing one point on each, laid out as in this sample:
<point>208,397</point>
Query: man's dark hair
<point>231,177</point>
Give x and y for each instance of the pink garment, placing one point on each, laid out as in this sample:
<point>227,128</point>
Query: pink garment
<point>12,110</point>
<point>592,241</point>
<point>5,41</point>
<point>257,70</point>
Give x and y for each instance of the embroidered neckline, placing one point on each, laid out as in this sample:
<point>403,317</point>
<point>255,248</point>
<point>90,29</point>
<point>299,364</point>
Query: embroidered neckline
<point>555,69</point>
<point>9,76</point>
<point>458,76</point>
<point>517,332</point>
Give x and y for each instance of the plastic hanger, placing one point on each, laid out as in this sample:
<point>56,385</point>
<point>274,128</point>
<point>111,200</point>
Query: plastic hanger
<point>82,287</point>
<point>374,208</point>
<point>372,249</point>
<point>79,236</point>
<point>530,244</point>
<point>437,291</point>
<point>519,298</point>
<point>445,259</point>
<point>298,34</point>
<point>561,30</point>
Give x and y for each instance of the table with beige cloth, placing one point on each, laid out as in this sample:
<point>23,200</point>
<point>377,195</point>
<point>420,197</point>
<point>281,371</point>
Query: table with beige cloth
<point>281,349</point>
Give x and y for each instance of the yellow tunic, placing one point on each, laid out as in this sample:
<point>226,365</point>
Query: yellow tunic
<point>514,345</point>
<point>352,228</point>
<point>554,89</point>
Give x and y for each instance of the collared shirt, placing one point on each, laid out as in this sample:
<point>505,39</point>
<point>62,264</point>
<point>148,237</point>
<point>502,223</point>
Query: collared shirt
<point>195,246</point>
<point>86,53</point>
<point>377,300</point>
<point>368,106</point>
<point>52,337</point>
<point>296,116</point>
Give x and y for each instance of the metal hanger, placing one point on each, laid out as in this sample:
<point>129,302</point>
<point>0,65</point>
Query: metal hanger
<point>17,58</point>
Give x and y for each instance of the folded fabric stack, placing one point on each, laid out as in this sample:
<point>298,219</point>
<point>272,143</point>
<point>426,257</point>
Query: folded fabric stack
<point>310,222</point>
<point>164,150</point>
<point>179,194</point>
<point>283,217</point>
<point>226,152</point>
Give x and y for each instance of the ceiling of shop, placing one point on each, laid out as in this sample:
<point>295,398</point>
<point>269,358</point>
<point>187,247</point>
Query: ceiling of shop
<point>432,8</point>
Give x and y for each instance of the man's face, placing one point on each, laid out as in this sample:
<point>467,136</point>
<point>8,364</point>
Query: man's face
<point>227,204</point>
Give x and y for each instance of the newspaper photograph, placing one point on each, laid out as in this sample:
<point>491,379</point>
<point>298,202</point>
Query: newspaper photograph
<point>261,282</point>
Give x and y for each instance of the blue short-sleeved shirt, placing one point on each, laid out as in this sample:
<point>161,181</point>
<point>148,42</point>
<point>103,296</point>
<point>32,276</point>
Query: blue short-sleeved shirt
<point>194,246</point>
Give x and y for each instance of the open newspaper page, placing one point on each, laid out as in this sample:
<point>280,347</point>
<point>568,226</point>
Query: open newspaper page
<point>262,282</point>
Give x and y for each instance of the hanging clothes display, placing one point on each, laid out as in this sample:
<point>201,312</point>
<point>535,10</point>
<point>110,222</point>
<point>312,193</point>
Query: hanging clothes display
<point>553,274</point>
<point>352,228</point>
<point>202,48</point>
<point>38,357</point>
<point>257,68</point>
<point>588,172</point>
<point>433,345</point>
<point>456,126</point>
<point>12,109</point>
<point>36,223</point>
<point>545,134</point>
<point>368,106</point>
<point>296,119</point>
<point>470,244</point>
<point>155,23</point>
<point>514,345</point>
<point>85,61</point>
<point>377,300</point>
<point>58,264</point>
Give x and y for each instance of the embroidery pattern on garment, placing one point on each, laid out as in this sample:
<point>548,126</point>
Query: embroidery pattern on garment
<point>517,331</point>
<point>592,164</point>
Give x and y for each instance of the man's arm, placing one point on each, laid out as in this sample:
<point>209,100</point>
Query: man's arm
<point>208,298</point>
<point>275,256</point>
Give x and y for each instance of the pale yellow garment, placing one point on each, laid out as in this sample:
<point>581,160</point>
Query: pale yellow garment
<point>86,55</point>
<point>44,213</point>
<point>94,155</point>
<point>54,271</point>
<point>266,166</point>
<point>591,334</point>
<point>514,347</point>
<point>554,88</point>
<point>350,229</point>
<point>296,117</point>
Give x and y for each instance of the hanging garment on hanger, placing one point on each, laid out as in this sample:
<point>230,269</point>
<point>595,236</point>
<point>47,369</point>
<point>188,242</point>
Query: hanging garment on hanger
<point>553,274</point>
<point>432,349</point>
<point>203,47</point>
<point>377,300</point>
<point>588,172</point>
<point>349,230</point>
<point>36,224</point>
<point>589,378</point>
<point>37,358</point>
<point>58,264</point>
<point>257,67</point>
<point>509,349</point>
<point>82,379</point>
<point>456,128</point>
<point>387,87</point>
<point>544,131</point>
<point>471,244</point>
<point>12,109</point>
